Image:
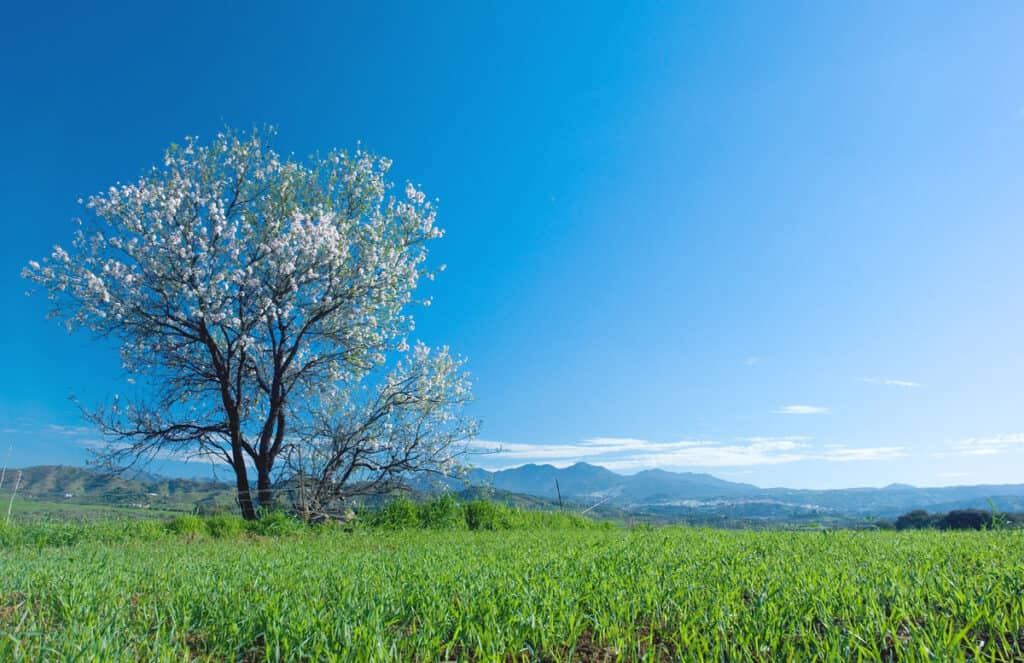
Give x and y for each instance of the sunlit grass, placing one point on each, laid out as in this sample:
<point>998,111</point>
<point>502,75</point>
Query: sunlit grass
<point>552,595</point>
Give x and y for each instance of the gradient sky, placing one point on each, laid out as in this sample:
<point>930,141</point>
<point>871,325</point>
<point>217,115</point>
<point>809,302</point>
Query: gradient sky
<point>778,242</point>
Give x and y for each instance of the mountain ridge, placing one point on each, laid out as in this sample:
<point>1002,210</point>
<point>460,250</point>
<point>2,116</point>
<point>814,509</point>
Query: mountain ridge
<point>694,491</point>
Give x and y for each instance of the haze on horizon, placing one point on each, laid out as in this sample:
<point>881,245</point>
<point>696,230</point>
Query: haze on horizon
<point>779,245</point>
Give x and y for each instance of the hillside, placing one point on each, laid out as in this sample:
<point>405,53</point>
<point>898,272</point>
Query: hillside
<point>84,486</point>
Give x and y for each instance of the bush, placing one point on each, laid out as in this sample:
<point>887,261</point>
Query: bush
<point>487,516</point>
<point>399,513</point>
<point>966,519</point>
<point>188,525</point>
<point>959,519</point>
<point>442,512</point>
<point>274,523</point>
<point>143,530</point>
<point>917,519</point>
<point>224,526</point>
<point>447,513</point>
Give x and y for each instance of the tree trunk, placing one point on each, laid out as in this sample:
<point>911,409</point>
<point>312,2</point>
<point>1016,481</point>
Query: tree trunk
<point>242,480</point>
<point>244,495</point>
<point>264,490</point>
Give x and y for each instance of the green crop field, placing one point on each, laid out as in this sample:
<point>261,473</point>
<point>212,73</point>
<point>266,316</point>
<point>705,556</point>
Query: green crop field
<point>589,594</point>
<point>40,510</point>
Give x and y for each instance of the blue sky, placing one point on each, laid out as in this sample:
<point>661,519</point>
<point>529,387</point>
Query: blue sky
<point>781,243</point>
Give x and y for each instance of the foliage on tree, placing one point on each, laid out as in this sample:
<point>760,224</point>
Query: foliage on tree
<point>265,305</point>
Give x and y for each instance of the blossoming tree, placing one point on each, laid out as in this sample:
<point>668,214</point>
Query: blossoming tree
<point>264,304</point>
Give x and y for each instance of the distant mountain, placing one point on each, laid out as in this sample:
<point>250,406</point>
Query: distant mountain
<point>579,480</point>
<point>688,494</point>
<point>652,485</point>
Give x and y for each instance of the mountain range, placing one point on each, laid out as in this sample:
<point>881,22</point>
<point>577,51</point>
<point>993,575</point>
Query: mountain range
<point>692,494</point>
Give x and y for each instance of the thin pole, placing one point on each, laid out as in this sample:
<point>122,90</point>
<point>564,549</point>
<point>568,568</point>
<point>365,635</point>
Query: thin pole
<point>302,489</point>
<point>10,505</point>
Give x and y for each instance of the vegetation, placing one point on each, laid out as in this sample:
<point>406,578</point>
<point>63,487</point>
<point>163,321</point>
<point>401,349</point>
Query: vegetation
<point>975,519</point>
<point>447,513</point>
<point>441,513</point>
<point>553,590</point>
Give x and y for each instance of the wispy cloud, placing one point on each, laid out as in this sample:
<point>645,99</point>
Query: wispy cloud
<point>984,446</point>
<point>907,384</point>
<point>69,430</point>
<point>750,361</point>
<point>91,442</point>
<point>844,454</point>
<point>633,454</point>
<point>764,452</point>
<point>571,453</point>
<point>802,409</point>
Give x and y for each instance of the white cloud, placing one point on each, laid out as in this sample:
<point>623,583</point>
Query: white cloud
<point>715,455</point>
<point>802,409</point>
<point>984,446</point>
<point>69,430</point>
<point>843,454</point>
<point>750,361</point>
<point>91,442</point>
<point>632,454</point>
<point>892,383</point>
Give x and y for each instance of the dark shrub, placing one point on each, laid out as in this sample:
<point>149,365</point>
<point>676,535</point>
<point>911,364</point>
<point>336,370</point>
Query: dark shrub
<point>966,519</point>
<point>917,519</point>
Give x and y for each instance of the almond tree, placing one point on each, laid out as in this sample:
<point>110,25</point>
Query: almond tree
<point>253,296</point>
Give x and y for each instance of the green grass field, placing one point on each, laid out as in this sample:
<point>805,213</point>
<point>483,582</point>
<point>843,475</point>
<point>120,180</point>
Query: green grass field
<point>602,594</point>
<point>40,510</point>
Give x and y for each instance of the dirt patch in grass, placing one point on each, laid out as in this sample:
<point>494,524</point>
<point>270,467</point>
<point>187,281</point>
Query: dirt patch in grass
<point>11,604</point>
<point>590,650</point>
<point>255,652</point>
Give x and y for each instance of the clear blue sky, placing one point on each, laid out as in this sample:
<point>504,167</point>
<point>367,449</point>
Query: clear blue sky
<point>667,224</point>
